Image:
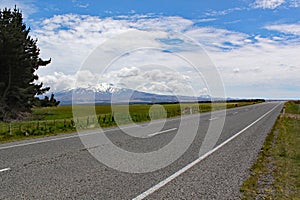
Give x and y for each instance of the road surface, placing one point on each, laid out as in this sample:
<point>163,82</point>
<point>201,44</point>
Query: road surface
<point>61,167</point>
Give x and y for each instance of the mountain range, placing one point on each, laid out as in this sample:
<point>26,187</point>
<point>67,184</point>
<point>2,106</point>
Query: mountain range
<point>106,93</point>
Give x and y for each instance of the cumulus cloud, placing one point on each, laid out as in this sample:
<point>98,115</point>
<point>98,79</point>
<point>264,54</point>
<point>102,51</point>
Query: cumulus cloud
<point>128,72</point>
<point>154,80</point>
<point>203,91</point>
<point>60,81</point>
<point>68,39</point>
<point>267,4</point>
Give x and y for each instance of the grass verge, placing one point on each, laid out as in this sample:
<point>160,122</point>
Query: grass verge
<point>276,172</point>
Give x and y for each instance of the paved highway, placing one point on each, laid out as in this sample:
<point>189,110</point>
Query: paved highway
<point>62,167</point>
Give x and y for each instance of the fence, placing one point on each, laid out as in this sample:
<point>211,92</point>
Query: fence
<point>46,127</point>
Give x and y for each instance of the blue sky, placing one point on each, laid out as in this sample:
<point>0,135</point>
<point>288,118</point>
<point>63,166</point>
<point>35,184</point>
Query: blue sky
<point>234,15</point>
<point>254,44</point>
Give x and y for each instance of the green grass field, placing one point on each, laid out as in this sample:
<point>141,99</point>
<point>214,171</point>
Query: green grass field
<point>276,173</point>
<point>55,120</point>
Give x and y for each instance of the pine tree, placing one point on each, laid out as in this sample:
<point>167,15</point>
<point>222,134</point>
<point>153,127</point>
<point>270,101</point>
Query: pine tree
<point>46,102</point>
<point>19,60</point>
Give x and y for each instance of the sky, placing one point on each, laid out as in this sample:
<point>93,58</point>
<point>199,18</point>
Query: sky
<point>252,46</point>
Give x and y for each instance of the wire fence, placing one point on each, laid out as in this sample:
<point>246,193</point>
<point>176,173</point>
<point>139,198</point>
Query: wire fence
<point>47,127</point>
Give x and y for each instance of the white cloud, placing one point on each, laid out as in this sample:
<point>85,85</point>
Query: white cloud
<point>58,81</point>
<point>206,20</point>
<point>236,70</point>
<point>294,3</point>
<point>265,69</point>
<point>223,12</point>
<point>173,23</point>
<point>250,66</point>
<point>128,72</point>
<point>203,91</point>
<point>214,39</point>
<point>69,39</point>
<point>267,4</point>
<point>151,79</point>
<point>27,7</point>
<point>286,28</point>
<point>79,4</point>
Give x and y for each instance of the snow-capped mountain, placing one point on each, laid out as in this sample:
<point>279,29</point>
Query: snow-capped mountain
<point>106,93</point>
<point>104,88</point>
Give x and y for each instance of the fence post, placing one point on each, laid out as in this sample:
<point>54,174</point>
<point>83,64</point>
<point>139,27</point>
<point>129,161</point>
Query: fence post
<point>10,133</point>
<point>72,123</point>
<point>112,118</point>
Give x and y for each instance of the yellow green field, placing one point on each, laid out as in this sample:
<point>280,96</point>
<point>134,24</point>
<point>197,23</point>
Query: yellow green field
<point>54,120</point>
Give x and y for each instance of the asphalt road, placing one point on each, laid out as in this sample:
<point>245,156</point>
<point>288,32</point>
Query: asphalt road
<point>62,167</point>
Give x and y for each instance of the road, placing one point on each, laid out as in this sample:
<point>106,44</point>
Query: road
<point>61,167</point>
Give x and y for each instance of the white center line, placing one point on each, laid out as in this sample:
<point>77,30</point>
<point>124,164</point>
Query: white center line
<point>213,118</point>
<point>187,167</point>
<point>153,134</point>
<point>5,169</point>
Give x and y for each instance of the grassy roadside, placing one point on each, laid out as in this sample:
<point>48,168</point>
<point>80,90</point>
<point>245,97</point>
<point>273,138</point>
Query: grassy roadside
<point>276,172</point>
<point>58,120</point>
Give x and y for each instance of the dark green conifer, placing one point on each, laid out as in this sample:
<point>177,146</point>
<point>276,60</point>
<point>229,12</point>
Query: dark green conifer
<point>19,60</point>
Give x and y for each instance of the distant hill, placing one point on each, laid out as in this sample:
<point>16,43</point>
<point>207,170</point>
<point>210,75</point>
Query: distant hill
<point>106,93</point>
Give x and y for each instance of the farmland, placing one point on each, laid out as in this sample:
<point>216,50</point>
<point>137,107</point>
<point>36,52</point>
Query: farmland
<point>56,120</point>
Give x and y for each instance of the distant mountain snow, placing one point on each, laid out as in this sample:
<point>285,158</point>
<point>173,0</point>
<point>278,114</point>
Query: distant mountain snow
<point>106,93</point>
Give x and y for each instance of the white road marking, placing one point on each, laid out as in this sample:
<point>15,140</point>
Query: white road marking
<point>5,169</point>
<point>235,113</point>
<point>214,118</point>
<point>187,167</point>
<point>157,133</point>
<point>37,142</point>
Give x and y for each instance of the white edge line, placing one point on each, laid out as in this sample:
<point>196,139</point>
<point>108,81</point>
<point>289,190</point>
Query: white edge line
<point>187,167</point>
<point>153,134</point>
<point>5,169</point>
<point>37,142</point>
